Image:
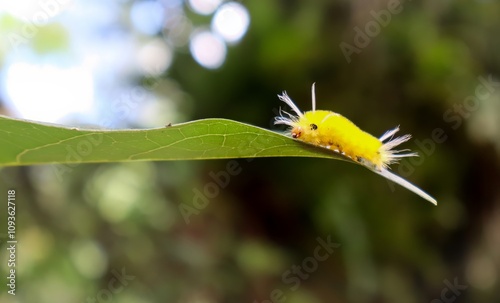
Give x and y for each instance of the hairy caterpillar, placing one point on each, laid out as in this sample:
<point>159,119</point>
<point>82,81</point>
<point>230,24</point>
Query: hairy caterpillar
<point>333,131</point>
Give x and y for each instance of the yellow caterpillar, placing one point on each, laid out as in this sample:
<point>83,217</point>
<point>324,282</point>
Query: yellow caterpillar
<point>333,131</point>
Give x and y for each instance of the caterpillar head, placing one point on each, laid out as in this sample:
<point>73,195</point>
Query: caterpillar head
<point>296,132</point>
<point>299,123</point>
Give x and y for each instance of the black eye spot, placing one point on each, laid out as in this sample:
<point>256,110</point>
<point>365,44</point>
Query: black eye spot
<point>313,126</point>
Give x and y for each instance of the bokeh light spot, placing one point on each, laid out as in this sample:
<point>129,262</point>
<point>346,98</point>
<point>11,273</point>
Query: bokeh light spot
<point>89,258</point>
<point>231,21</point>
<point>204,7</point>
<point>480,272</point>
<point>155,57</point>
<point>47,92</point>
<point>208,49</point>
<point>147,16</point>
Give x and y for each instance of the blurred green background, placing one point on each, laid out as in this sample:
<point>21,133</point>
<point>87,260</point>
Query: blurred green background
<point>430,66</point>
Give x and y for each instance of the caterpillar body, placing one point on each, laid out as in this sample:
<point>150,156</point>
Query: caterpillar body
<point>337,133</point>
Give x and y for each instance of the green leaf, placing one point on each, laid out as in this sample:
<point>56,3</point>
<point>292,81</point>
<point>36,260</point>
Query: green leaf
<point>28,143</point>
